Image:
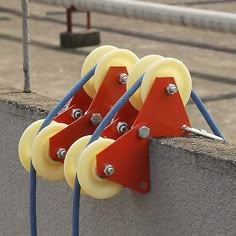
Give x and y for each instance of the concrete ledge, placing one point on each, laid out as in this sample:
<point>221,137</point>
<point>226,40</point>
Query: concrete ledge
<point>192,193</point>
<point>80,39</point>
<point>24,103</point>
<point>192,186</point>
<point>201,146</point>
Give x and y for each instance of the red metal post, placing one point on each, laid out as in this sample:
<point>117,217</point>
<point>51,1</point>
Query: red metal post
<point>69,19</point>
<point>88,20</point>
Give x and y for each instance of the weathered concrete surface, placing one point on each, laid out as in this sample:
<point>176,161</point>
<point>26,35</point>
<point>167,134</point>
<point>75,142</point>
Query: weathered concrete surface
<point>17,111</point>
<point>192,191</point>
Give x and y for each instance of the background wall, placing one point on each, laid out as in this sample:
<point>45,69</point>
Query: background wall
<point>192,193</point>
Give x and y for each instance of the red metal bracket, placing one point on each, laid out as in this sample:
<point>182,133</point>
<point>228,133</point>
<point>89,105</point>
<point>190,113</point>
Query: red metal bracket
<point>127,114</point>
<point>164,115</point>
<point>109,92</point>
<point>80,101</point>
<point>129,157</point>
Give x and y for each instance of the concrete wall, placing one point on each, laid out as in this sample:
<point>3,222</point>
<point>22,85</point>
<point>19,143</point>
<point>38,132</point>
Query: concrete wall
<point>192,193</point>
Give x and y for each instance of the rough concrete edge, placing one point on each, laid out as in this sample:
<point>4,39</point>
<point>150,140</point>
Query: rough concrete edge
<point>38,106</point>
<point>32,104</point>
<point>206,149</point>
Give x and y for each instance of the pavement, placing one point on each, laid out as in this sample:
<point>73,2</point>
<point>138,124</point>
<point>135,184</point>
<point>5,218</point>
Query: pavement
<point>210,56</point>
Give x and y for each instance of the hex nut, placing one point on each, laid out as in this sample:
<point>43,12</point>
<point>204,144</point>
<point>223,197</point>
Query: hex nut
<point>76,113</point>
<point>171,89</point>
<point>61,153</point>
<point>123,78</point>
<point>96,119</point>
<point>109,170</point>
<point>143,132</point>
<point>122,127</point>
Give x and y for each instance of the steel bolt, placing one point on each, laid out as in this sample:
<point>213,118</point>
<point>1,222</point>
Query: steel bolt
<point>76,113</point>
<point>61,153</point>
<point>184,127</point>
<point>96,119</point>
<point>143,132</point>
<point>171,89</point>
<point>109,170</point>
<point>122,127</point>
<point>123,78</point>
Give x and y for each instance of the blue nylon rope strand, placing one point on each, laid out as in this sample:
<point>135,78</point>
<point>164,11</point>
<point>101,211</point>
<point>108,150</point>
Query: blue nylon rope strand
<point>67,97</point>
<point>76,206</point>
<point>209,119</point>
<point>107,119</point>
<point>95,136</point>
<point>47,121</point>
<point>33,214</point>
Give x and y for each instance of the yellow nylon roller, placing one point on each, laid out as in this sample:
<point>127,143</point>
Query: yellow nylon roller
<point>72,157</point>
<point>90,61</point>
<point>25,143</point>
<point>136,71</point>
<point>168,67</point>
<point>91,183</point>
<point>117,57</point>
<point>43,164</point>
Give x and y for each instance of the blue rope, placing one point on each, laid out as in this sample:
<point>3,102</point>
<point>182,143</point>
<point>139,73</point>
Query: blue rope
<point>107,119</point>
<point>129,93</point>
<point>47,121</point>
<point>67,97</point>
<point>209,119</point>
<point>33,213</point>
<point>76,206</point>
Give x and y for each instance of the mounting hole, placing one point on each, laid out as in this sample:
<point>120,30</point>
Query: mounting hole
<point>143,185</point>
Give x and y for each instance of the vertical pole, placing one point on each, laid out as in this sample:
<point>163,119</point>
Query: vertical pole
<point>69,19</point>
<point>26,44</point>
<point>88,20</point>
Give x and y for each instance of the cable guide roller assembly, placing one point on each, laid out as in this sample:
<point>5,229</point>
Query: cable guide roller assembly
<point>100,141</point>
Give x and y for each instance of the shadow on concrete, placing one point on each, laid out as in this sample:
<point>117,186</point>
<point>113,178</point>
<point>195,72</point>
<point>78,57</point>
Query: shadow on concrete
<point>5,18</point>
<point>219,97</point>
<point>214,78</point>
<point>45,45</point>
<point>124,32</point>
<point>196,74</point>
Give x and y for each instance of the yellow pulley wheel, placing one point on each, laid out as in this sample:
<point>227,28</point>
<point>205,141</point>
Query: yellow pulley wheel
<point>117,57</point>
<point>168,67</point>
<point>91,183</point>
<point>25,143</point>
<point>90,61</point>
<point>43,164</point>
<point>137,70</point>
<point>72,157</point>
